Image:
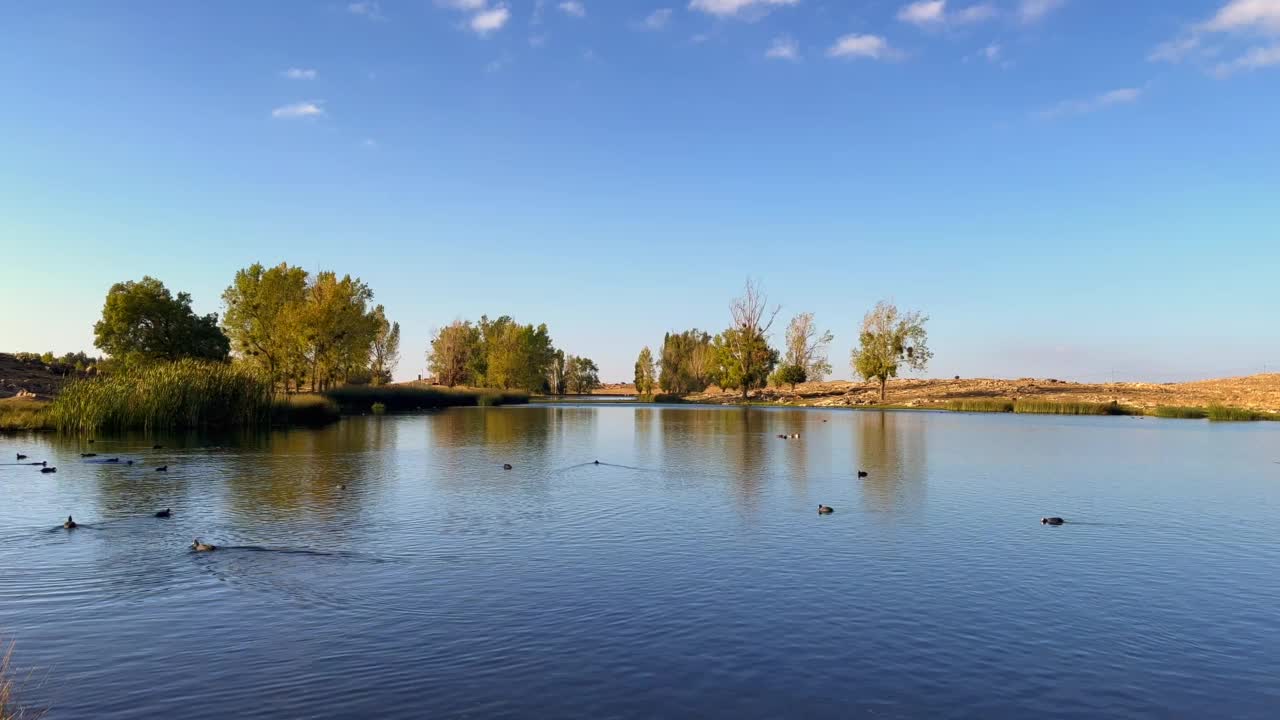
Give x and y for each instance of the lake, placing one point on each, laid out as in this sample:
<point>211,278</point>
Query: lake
<point>390,567</point>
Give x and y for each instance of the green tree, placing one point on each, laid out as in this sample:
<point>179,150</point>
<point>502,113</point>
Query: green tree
<point>581,375</point>
<point>889,340</point>
<point>263,309</point>
<point>557,380</point>
<point>807,348</point>
<point>644,372</point>
<point>788,375</point>
<point>745,360</point>
<point>686,363</point>
<point>384,353</point>
<point>456,357</point>
<point>336,328</point>
<point>516,356</point>
<point>142,321</point>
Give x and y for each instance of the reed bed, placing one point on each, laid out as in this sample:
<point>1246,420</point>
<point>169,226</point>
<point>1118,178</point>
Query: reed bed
<point>360,399</point>
<point>1048,407</point>
<point>1223,413</point>
<point>165,396</point>
<point>981,405</point>
<point>306,409</point>
<point>1181,412</point>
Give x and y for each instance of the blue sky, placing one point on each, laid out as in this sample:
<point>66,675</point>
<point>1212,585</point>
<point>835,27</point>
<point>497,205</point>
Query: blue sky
<point>1069,188</point>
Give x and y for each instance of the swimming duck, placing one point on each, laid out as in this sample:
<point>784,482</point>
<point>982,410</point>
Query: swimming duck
<point>88,454</point>
<point>157,447</point>
<point>202,547</point>
<point>862,473</point>
<point>21,456</point>
<point>342,487</point>
<point>596,462</point>
<point>128,462</point>
<point>506,466</point>
<point>70,524</point>
<point>825,509</point>
<point>1051,521</point>
<point>782,437</point>
<point>47,470</point>
<point>163,468</point>
<point>164,513</point>
<point>795,436</point>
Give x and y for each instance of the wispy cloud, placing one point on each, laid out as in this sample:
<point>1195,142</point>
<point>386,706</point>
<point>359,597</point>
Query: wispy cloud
<point>366,8</point>
<point>304,109</point>
<point>934,14</point>
<point>299,74</point>
<point>1176,50</point>
<point>784,47</point>
<point>1256,59</point>
<point>490,20</point>
<point>745,9</point>
<point>1252,15</point>
<point>1121,96</point>
<point>862,46</point>
<point>1033,11</point>
<point>1235,18</point>
<point>991,52</point>
<point>573,8</point>
<point>657,20</point>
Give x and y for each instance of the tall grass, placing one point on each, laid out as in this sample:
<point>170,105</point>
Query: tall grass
<point>359,399</point>
<point>1181,412</point>
<point>981,405</point>
<point>9,708</point>
<point>1222,413</point>
<point>19,414</point>
<point>165,396</point>
<point>307,409</point>
<point>1049,407</point>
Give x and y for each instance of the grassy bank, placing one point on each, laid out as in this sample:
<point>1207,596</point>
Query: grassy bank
<point>360,399</point>
<point>1041,407</point>
<point>22,414</point>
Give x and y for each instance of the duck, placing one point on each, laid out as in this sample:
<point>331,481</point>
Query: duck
<point>506,466</point>
<point>825,509</point>
<point>128,462</point>
<point>1052,521</point>
<point>21,456</point>
<point>782,437</point>
<point>157,447</point>
<point>88,454</point>
<point>863,473</point>
<point>112,460</point>
<point>48,470</point>
<point>70,524</point>
<point>342,487</point>
<point>163,468</point>
<point>164,513</point>
<point>596,462</point>
<point>795,436</point>
<point>198,546</point>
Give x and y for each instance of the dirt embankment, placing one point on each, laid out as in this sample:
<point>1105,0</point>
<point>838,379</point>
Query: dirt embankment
<point>28,379</point>
<point>1256,392</point>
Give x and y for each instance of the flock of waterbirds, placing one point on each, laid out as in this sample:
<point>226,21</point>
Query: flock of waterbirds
<point>198,546</point>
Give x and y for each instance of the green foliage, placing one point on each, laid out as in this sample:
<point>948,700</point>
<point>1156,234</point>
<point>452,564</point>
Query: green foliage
<point>456,356</point>
<point>644,379</point>
<point>401,398</point>
<point>1223,413</point>
<point>788,375</point>
<point>165,396</point>
<point>581,375</point>
<point>263,318</point>
<point>304,409</point>
<point>143,322</point>
<point>888,341</point>
<point>379,408</point>
<point>385,350</point>
<point>981,406</point>
<point>516,356</point>
<point>744,360</point>
<point>1049,407</point>
<point>1187,413</point>
<point>687,363</point>
<point>23,414</point>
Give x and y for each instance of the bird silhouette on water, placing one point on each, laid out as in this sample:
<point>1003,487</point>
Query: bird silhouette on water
<point>825,509</point>
<point>167,512</point>
<point>163,468</point>
<point>21,456</point>
<point>88,454</point>
<point>198,546</point>
<point>506,466</point>
<point>1052,521</point>
<point>48,470</point>
<point>70,524</point>
<point>862,473</point>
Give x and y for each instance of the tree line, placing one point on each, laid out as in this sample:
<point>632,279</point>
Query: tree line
<point>506,354</point>
<point>740,357</point>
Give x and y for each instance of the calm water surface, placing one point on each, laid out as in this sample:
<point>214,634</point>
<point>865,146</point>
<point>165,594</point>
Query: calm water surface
<point>687,575</point>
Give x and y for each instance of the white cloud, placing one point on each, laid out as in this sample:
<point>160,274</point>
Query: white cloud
<point>1174,51</point>
<point>307,108</point>
<point>490,20</point>
<point>784,47</point>
<point>1252,15</point>
<point>991,52</point>
<point>926,12</point>
<point>465,5</point>
<point>299,74</point>
<point>366,8</point>
<point>1122,96</point>
<point>861,46</point>
<point>657,19</point>
<point>1030,11</point>
<point>537,41</point>
<point>573,7</point>
<point>975,14</point>
<point>1256,58</point>
<point>750,9</point>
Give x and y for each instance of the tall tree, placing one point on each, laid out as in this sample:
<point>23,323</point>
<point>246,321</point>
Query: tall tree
<point>686,362</point>
<point>644,372</point>
<point>889,340</point>
<point>581,375</point>
<point>455,355</point>
<point>557,370</point>
<point>745,348</point>
<point>142,321</point>
<point>807,349</point>
<point>517,355</point>
<point>262,308</point>
<point>384,354</point>
<point>337,329</point>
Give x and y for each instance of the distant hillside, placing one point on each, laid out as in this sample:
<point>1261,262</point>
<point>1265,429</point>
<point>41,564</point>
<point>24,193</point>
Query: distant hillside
<point>18,377</point>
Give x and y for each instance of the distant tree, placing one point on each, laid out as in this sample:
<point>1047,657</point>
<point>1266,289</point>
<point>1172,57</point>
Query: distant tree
<point>582,375</point>
<point>557,383</point>
<point>263,313</point>
<point>455,357</point>
<point>889,340</point>
<point>644,372</point>
<point>142,321</point>
<point>686,362</point>
<point>337,329</point>
<point>385,352</point>
<point>807,348</point>
<point>517,355</point>
<point>746,360</point>
<point>788,375</point>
